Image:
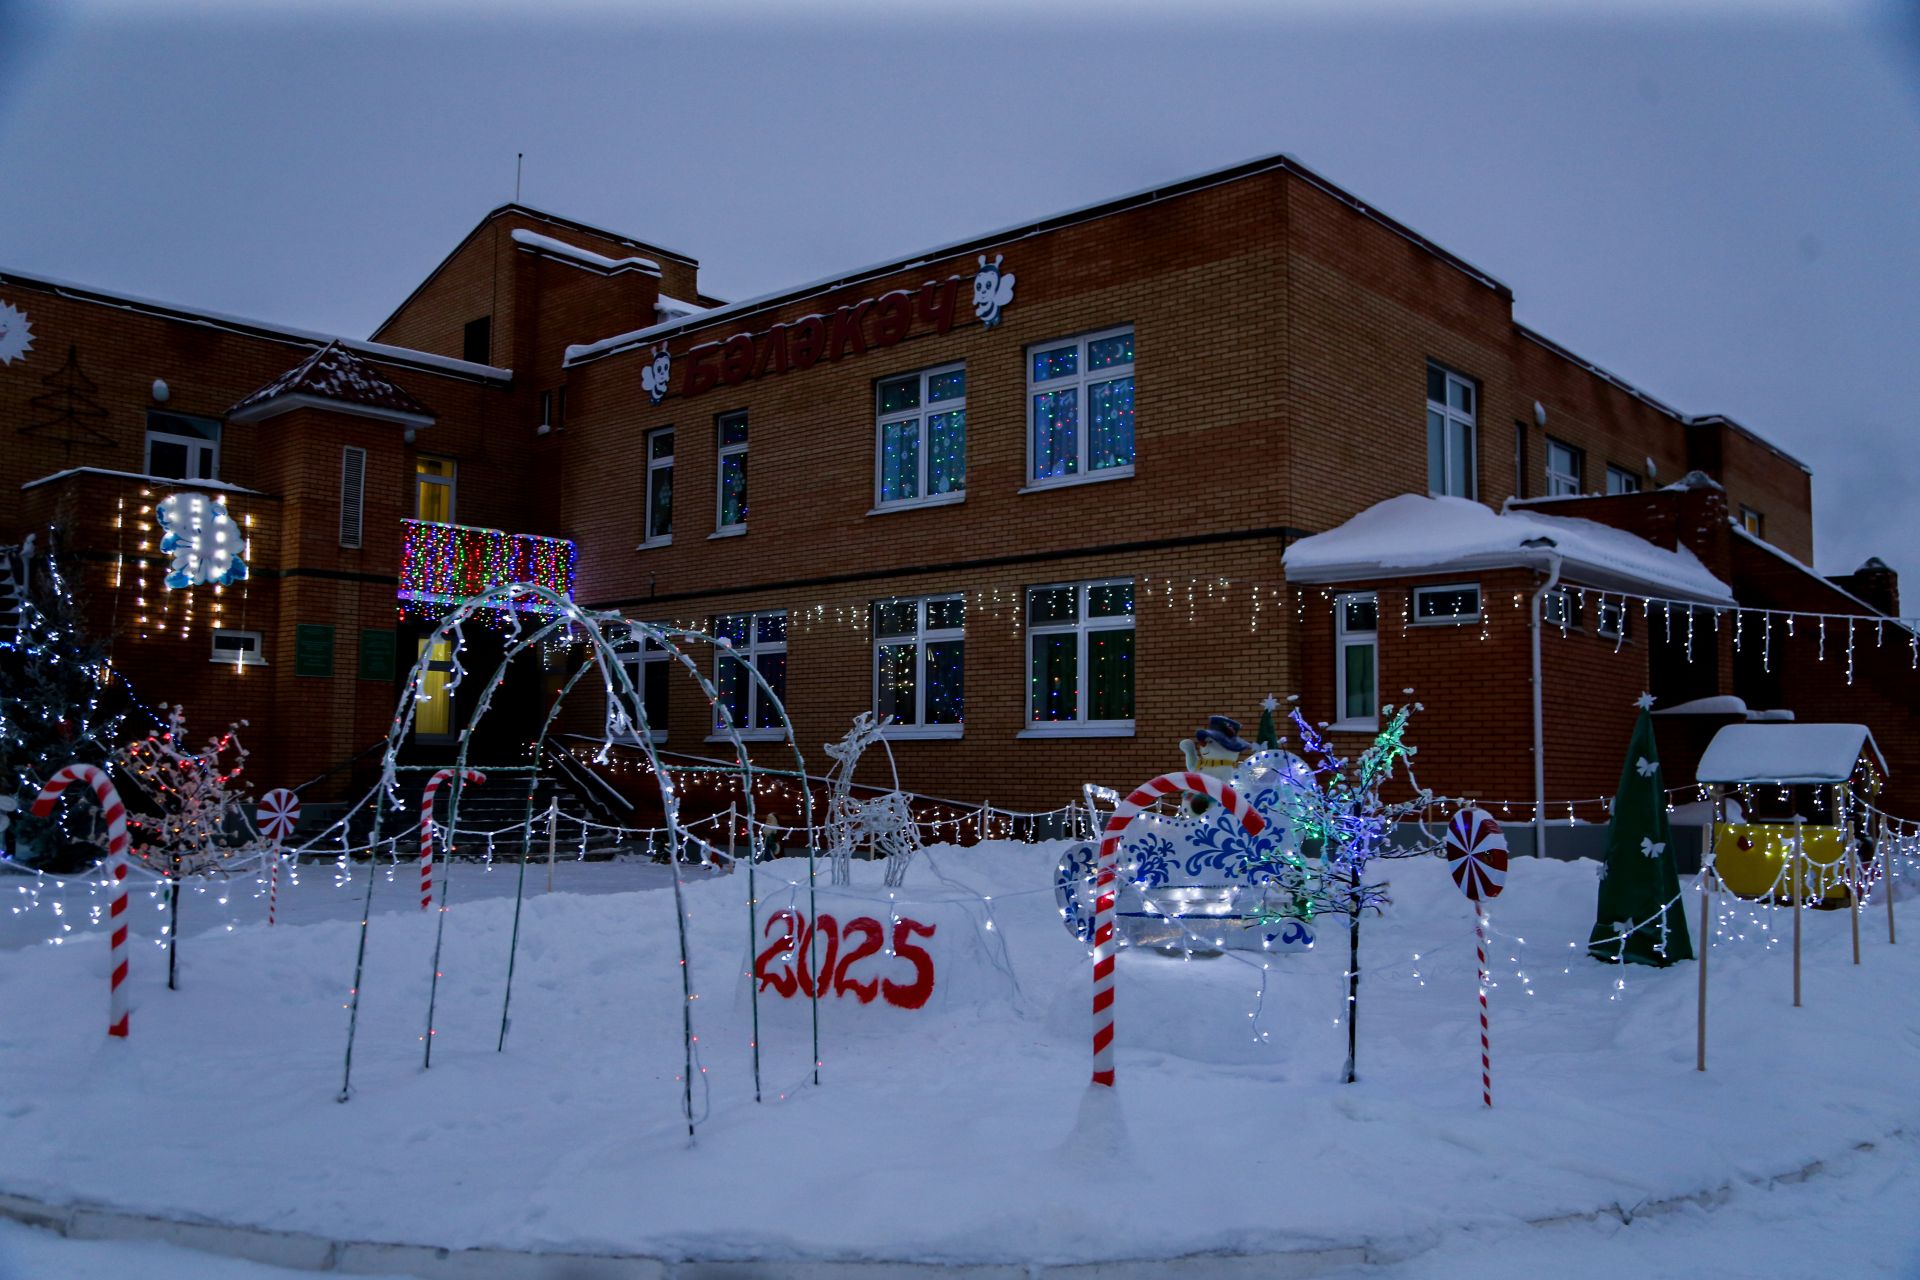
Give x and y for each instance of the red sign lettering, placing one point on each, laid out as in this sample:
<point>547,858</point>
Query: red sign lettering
<point>807,958</point>
<point>807,341</point>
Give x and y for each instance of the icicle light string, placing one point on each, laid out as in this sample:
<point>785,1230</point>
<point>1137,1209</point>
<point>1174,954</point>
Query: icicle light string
<point>1190,594</point>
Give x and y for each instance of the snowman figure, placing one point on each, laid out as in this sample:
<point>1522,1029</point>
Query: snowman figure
<point>654,377</point>
<point>992,290</point>
<point>203,540</point>
<point>1214,751</point>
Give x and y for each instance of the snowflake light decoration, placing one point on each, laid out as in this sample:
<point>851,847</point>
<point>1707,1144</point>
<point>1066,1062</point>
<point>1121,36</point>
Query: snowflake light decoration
<point>203,540</point>
<point>16,334</point>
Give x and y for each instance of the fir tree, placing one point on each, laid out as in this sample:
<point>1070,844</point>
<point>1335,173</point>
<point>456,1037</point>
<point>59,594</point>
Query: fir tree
<point>1639,917</point>
<point>58,702</point>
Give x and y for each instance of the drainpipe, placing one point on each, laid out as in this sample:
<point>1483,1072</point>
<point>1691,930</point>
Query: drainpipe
<point>1539,745</point>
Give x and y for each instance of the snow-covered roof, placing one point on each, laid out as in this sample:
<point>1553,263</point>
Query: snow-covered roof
<point>1787,753</point>
<point>334,378</point>
<point>1741,532</point>
<point>1415,534</point>
<point>585,257</point>
<point>255,328</point>
<point>581,352</point>
<point>1724,704</point>
<point>173,481</point>
<point>677,309</point>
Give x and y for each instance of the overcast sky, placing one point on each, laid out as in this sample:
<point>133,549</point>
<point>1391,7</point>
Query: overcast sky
<point>1723,208</point>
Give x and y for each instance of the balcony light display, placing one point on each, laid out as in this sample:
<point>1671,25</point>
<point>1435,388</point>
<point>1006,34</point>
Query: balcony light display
<point>444,564</point>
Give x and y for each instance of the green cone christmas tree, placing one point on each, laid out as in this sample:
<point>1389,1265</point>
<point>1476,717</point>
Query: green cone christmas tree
<point>1268,737</point>
<point>1639,884</point>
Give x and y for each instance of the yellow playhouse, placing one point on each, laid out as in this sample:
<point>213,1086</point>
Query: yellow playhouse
<point>1779,788</point>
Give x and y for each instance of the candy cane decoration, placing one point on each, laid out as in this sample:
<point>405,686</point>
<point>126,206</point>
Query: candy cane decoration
<point>1477,856</point>
<point>116,816</point>
<point>1109,865</point>
<point>426,827</point>
<point>276,817</point>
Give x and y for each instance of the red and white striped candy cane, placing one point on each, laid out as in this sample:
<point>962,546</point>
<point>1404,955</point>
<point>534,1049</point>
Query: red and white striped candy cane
<point>426,827</point>
<point>116,816</point>
<point>1486,1062</point>
<point>1109,871</point>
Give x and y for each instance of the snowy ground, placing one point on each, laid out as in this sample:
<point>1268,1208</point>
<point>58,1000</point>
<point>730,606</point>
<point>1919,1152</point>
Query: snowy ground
<point>1855,1221</point>
<point>956,1130</point>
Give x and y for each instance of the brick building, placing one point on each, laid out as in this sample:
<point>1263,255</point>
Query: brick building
<point>1031,493</point>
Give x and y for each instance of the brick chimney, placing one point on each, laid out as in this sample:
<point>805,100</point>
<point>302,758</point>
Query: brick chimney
<point>1873,582</point>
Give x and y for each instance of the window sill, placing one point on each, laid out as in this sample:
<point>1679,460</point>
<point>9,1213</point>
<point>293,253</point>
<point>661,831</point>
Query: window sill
<point>915,504</point>
<point>654,544</point>
<point>1464,620</point>
<point>1092,477</point>
<point>1354,726</point>
<point>749,735</point>
<point>922,732</point>
<point>244,662</point>
<point>734,531</point>
<point>1079,729</point>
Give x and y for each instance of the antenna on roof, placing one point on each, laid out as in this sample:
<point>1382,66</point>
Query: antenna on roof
<point>518,156</point>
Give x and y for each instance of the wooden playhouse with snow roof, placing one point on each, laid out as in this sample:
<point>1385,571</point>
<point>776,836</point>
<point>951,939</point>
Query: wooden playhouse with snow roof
<point>1787,794</point>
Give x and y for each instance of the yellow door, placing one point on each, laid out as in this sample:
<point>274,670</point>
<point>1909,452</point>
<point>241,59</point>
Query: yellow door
<point>433,709</point>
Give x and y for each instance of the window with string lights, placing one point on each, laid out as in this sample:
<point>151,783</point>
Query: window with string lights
<point>1080,406</point>
<point>750,643</point>
<point>731,499</point>
<point>1080,659</point>
<point>919,665</point>
<point>920,439</point>
<point>648,666</point>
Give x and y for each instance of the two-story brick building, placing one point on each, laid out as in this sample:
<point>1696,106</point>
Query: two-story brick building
<point>1032,494</point>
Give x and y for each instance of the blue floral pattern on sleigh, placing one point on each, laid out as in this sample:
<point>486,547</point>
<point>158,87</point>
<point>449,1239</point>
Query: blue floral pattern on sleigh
<point>1197,882</point>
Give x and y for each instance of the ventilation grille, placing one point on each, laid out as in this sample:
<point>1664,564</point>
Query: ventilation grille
<point>353,485</point>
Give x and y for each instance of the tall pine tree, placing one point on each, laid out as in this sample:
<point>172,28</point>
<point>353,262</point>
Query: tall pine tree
<point>57,706</point>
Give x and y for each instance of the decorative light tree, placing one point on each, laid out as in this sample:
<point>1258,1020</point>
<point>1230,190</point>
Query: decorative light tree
<point>194,797</point>
<point>1343,813</point>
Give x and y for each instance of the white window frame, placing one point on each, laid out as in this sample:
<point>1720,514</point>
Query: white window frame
<point>1079,382</point>
<point>1562,598</point>
<point>197,447</point>
<point>1452,619</point>
<point>1083,626</point>
<point>924,411</point>
<point>749,653</point>
<point>1753,520</point>
<point>247,657</point>
<point>450,481</point>
<point>921,636</point>
<point>1564,484</point>
<point>1622,481</point>
<point>1453,418</point>
<point>1344,640</point>
<point>648,538</point>
<point>635,660</point>
<point>722,452</point>
<point>1610,619</point>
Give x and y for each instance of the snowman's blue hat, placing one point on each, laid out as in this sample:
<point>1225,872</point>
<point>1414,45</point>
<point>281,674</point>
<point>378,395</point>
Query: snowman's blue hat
<point>1223,732</point>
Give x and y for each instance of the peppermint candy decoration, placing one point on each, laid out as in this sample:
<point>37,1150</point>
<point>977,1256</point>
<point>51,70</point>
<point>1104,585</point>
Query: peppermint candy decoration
<point>1477,854</point>
<point>278,813</point>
